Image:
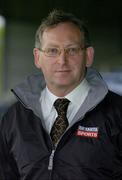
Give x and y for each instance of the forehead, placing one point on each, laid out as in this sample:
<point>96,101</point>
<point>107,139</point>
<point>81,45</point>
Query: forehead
<point>62,33</point>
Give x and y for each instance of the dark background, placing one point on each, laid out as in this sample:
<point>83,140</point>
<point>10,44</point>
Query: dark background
<point>95,11</point>
<point>104,21</point>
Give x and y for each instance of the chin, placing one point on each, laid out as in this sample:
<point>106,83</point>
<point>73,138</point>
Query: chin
<point>62,84</point>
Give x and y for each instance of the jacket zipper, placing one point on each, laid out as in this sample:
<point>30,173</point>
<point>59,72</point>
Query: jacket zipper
<point>51,158</point>
<point>50,165</point>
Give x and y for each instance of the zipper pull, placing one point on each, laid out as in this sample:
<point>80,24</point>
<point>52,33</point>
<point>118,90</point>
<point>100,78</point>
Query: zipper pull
<point>50,165</point>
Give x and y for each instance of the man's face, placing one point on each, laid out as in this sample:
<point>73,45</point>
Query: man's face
<point>63,71</point>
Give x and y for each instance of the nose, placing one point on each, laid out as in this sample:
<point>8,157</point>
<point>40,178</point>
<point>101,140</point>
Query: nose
<point>62,59</point>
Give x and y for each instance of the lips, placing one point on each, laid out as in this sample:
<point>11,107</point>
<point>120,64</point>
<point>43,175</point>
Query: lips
<point>62,71</point>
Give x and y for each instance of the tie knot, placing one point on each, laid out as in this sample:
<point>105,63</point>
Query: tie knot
<point>61,105</point>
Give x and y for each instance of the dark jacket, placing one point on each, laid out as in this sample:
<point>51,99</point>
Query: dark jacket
<point>90,149</point>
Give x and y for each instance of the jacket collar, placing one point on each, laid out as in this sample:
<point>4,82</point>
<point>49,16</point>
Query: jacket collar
<point>29,91</point>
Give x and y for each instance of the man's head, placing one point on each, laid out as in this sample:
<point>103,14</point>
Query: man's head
<point>56,17</point>
<point>62,51</point>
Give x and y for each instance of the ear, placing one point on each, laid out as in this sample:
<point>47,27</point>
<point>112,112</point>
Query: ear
<point>90,56</point>
<point>36,54</point>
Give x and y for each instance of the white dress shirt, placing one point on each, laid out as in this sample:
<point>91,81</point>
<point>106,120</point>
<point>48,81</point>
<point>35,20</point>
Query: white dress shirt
<point>76,98</point>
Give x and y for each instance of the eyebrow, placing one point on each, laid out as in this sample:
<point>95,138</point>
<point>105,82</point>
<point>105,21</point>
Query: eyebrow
<point>68,45</point>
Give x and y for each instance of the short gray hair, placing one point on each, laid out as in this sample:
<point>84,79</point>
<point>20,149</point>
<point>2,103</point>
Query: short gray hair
<point>58,16</point>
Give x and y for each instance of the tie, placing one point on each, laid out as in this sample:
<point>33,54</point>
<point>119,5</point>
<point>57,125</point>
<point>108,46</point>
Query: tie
<point>61,122</point>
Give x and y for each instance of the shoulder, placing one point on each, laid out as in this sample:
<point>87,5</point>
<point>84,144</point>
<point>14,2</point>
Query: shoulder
<point>112,109</point>
<point>114,95</point>
<point>114,99</point>
<point>17,113</point>
<point>15,108</point>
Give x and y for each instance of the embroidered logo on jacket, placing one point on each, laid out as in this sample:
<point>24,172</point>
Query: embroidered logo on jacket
<point>91,132</point>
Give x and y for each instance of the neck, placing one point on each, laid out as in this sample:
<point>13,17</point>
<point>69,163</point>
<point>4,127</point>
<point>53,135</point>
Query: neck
<point>61,91</point>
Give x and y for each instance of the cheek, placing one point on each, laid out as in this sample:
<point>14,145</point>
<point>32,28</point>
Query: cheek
<point>79,64</point>
<point>43,62</point>
<point>47,67</point>
<point>79,68</point>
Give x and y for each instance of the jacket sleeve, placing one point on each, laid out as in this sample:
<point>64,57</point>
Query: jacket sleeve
<point>113,112</point>
<point>8,168</point>
<point>118,158</point>
<point>117,141</point>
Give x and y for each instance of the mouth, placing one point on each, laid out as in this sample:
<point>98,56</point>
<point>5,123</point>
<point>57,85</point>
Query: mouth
<point>62,71</point>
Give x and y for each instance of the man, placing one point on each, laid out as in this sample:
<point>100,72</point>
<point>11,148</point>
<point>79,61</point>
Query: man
<point>78,136</point>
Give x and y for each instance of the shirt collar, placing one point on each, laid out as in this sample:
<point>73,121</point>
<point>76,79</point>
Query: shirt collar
<point>76,97</point>
<point>51,97</point>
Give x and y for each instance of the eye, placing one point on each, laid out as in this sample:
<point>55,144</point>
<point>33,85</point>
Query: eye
<point>73,50</point>
<point>52,51</point>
